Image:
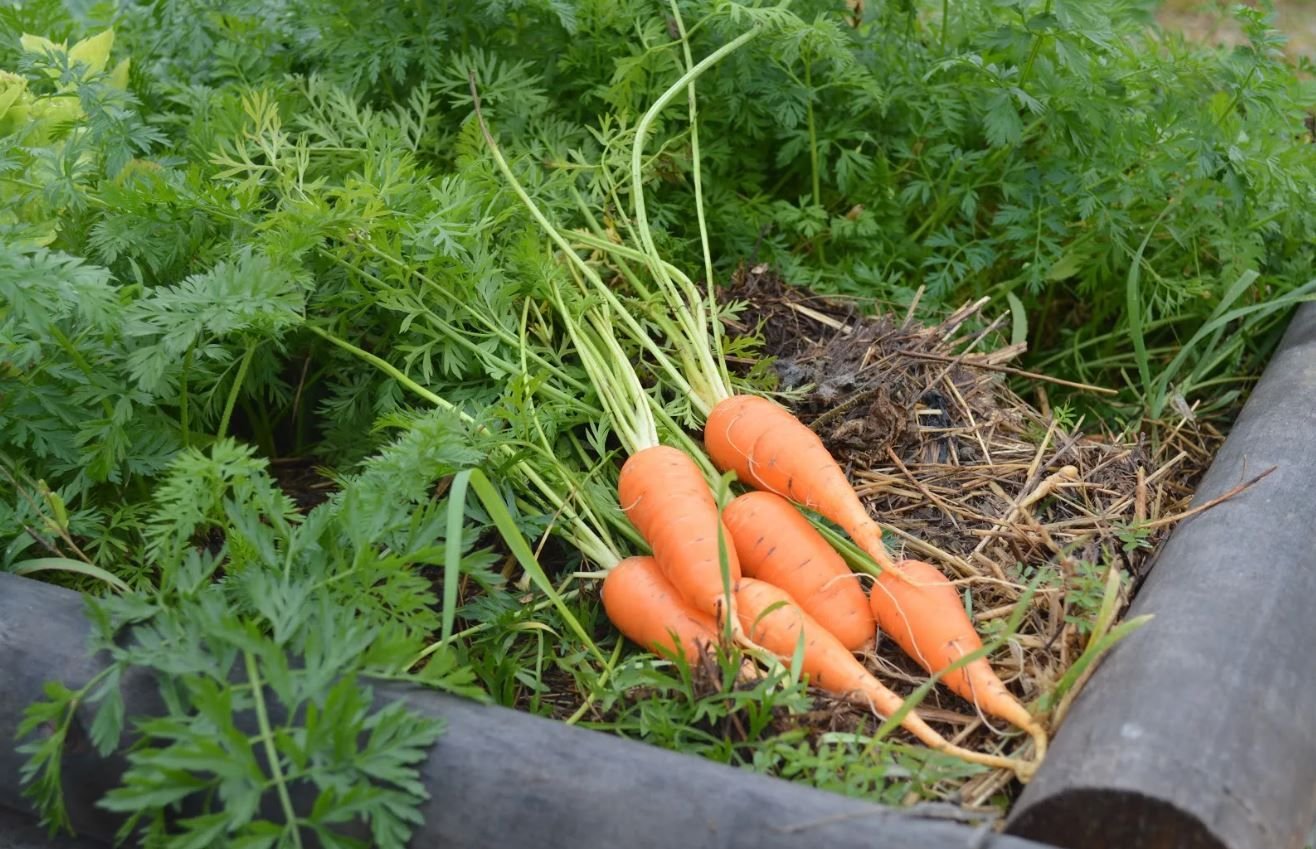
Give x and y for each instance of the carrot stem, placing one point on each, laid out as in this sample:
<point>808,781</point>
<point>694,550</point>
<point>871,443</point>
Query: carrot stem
<point>633,326</point>
<point>712,382</point>
<point>587,539</point>
<point>716,327</point>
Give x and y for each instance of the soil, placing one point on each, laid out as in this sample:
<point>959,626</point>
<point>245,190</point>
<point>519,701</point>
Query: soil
<point>303,480</point>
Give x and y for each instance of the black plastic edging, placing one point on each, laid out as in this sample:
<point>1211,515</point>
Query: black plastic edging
<point>496,778</point>
<point>20,831</point>
<point>1199,730</point>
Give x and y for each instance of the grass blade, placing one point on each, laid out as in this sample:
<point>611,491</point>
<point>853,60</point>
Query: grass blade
<point>1018,319</point>
<point>64,564</point>
<point>1094,651</point>
<point>516,541</point>
<point>1133,303</point>
<point>1306,292</point>
<point>452,555</point>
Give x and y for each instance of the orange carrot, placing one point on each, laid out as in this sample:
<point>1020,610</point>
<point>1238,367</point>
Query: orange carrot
<point>665,496</point>
<point>772,619</point>
<point>775,543</point>
<point>924,615</point>
<point>643,605</point>
<point>772,450</point>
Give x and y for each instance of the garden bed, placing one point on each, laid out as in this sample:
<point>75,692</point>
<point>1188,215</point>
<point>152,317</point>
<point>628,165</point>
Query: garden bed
<point>1198,730</point>
<point>963,473</point>
<point>327,331</point>
<point>496,777</point>
<point>968,475</point>
<point>1091,791</point>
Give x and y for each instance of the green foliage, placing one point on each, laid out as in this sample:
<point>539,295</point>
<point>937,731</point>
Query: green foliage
<point>1020,150</point>
<point>199,204</point>
<point>280,616</point>
<point>751,724</point>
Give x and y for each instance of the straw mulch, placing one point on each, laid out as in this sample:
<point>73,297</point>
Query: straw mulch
<point>966,474</point>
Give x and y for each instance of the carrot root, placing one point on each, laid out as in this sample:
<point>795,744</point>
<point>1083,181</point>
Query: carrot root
<point>1023,770</point>
<point>775,543</point>
<point>771,450</point>
<point>664,495</point>
<point>642,603</point>
<point>926,618</point>
<point>774,620</point>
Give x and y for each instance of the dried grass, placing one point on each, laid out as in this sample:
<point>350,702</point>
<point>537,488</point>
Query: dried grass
<point>966,474</point>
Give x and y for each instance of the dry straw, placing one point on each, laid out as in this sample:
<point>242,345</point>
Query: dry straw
<point>968,475</point>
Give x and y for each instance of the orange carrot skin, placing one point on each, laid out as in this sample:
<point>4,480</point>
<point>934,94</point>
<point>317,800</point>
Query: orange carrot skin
<point>730,431</point>
<point>777,544</point>
<point>924,615</point>
<point>665,496</point>
<point>648,610</point>
<point>772,450</point>
<point>826,661</point>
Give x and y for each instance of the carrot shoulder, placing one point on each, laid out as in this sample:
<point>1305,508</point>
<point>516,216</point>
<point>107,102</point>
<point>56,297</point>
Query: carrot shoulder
<point>777,544</point>
<point>665,496</point>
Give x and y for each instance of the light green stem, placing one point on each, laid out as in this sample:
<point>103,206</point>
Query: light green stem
<point>814,169</point>
<point>690,307</point>
<point>271,753</point>
<point>699,190</point>
<point>636,331</point>
<point>184,413</point>
<point>590,543</point>
<point>235,390</point>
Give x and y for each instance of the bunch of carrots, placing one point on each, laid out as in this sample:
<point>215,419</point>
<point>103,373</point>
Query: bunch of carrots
<point>756,570</point>
<point>788,585</point>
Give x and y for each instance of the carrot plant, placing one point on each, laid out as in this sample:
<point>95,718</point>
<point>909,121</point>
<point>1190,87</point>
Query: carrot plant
<point>308,609</point>
<point>283,350</point>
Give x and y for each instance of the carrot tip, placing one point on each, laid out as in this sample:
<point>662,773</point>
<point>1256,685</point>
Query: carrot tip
<point>1023,769</point>
<point>1038,734</point>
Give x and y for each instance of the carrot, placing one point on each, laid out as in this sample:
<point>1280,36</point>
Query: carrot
<point>665,496</point>
<point>772,619</point>
<point>772,450</point>
<point>643,605</point>
<point>926,618</point>
<point>775,543</point>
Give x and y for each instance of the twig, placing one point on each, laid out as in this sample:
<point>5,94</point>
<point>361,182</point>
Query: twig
<point>1155,477</point>
<point>841,408</point>
<point>913,306</point>
<point>822,318</point>
<point>1014,506</point>
<point>930,550</point>
<point>1057,479</point>
<point>968,412</point>
<point>1031,375</point>
<point>1140,497</point>
<point>923,489</point>
<point>1167,520</point>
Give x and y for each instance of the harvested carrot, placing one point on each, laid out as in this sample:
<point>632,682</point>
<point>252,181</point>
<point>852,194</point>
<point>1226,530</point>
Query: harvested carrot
<point>772,450</point>
<point>775,543</point>
<point>665,496</point>
<point>772,619</point>
<point>924,615</point>
<point>647,608</point>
